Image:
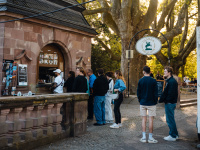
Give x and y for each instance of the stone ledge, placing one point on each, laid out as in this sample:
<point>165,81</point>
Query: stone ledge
<point>42,99</point>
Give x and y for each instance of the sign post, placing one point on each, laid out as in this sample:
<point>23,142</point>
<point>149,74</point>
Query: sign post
<point>152,46</point>
<point>198,78</point>
<point>129,54</point>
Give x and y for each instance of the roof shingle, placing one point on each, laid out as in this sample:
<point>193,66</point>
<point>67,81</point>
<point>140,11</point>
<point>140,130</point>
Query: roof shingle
<point>68,17</point>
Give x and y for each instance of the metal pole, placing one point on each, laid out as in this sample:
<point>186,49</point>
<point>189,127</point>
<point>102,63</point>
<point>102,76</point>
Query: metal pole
<point>128,75</point>
<point>198,78</point>
<point>130,47</point>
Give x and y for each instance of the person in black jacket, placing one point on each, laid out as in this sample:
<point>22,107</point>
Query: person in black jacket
<point>70,81</point>
<point>147,93</point>
<point>169,97</point>
<point>80,82</point>
<point>100,88</point>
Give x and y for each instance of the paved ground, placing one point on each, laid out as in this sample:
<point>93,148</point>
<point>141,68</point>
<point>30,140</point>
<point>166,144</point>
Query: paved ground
<point>127,137</point>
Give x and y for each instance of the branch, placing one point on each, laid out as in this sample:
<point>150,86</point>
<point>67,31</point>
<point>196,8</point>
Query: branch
<point>191,47</point>
<point>178,28</point>
<point>95,11</point>
<point>113,56</point>
<point>161,58</point>
<point>165,12</point>
<point>82,1</point>
<point>182,53</point>
<point>192,15</point>
<point>151,13</point>
<point>126,11</point>
<point>104,3</point>
<point>165,46</point>
<point>107,17</point>
<point>184,36</point>
<point>115,9</point>
<point>136,12</point>
<point>169,24</point>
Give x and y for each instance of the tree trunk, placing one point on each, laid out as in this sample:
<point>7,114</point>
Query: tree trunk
<point>183,71</point>
<point>136,65</point>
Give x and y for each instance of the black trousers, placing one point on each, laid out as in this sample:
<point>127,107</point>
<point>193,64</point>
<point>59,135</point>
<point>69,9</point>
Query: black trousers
<point>117,108</point>
<point>90,107</point>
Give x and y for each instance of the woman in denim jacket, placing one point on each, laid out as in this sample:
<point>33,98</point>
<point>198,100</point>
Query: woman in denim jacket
<point>118,87</point>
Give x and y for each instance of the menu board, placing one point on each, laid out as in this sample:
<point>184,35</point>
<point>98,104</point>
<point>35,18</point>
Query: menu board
<point>160,87</point>
<point>22,75</point>
<point>48,59</point>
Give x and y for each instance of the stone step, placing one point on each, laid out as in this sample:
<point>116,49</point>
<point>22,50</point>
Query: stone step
<point>188,104</point>
<point>188,100</point>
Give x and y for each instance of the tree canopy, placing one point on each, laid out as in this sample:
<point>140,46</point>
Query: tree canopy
<point>126,17</point>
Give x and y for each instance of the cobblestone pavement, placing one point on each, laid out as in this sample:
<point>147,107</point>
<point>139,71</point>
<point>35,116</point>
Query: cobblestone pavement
<point>127,137</point>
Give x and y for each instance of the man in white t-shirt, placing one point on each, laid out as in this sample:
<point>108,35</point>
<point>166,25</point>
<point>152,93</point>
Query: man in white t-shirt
<point>59,82</point>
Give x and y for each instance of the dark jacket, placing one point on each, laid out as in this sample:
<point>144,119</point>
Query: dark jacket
<point>100,86</point>
<point>80,84</point>
<point>69,84</point>
<point>147,91</point>
<point>170,93</point>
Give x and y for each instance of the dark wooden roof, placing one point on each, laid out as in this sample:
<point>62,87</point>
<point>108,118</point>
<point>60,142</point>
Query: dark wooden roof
<point>70,17</point>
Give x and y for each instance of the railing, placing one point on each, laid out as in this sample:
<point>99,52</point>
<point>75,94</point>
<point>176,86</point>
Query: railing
<point>29,122</point>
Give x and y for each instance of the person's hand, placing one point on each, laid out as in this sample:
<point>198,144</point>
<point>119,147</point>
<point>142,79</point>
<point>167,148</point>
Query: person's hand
<point>116,90</point>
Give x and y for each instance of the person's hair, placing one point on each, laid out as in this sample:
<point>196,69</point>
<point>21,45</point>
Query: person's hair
<point>90,70</point>
<point>100,71</point>
<point>146,69</point>
<point>81,70</point>
<point>109,74</point>
<point>120,76</point>
<point>72,73</point>
<point>169,69</point>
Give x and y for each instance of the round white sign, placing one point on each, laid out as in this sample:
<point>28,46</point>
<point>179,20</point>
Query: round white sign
<point>148,45</point>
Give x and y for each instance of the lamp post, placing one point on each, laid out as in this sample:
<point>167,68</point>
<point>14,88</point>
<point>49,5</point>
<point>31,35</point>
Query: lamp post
<point>128,52</point>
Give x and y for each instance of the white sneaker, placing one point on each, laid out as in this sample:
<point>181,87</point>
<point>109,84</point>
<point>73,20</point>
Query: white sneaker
<point>152,140</point>
<point>120,125</point>
<point>115,126</point>
<point>143,140</point>
<point>177,137</point>
<point>169,138</point>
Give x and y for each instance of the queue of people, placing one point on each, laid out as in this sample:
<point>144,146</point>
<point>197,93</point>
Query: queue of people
<point>102,87</point>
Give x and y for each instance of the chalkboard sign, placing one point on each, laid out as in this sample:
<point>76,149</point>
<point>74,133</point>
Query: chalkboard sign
<point>22,75</point>
<point>160,84</point>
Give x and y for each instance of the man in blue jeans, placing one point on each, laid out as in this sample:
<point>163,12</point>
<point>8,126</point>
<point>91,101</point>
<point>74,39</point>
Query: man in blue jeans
<point>100,88</point>
<point>169,97</point>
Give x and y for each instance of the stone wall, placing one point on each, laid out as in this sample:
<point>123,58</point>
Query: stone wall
<point>29,122</point>
<point>33,35</point>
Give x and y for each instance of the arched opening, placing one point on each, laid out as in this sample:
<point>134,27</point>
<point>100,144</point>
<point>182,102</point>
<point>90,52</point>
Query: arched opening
<point>50,58</point>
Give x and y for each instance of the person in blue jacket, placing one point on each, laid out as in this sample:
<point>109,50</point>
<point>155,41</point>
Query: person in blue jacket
<point>92,78</point>
<point>119,87</point>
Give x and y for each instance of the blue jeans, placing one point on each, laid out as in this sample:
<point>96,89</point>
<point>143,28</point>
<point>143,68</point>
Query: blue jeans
<point>99,109</point>
<point>169,111</point>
